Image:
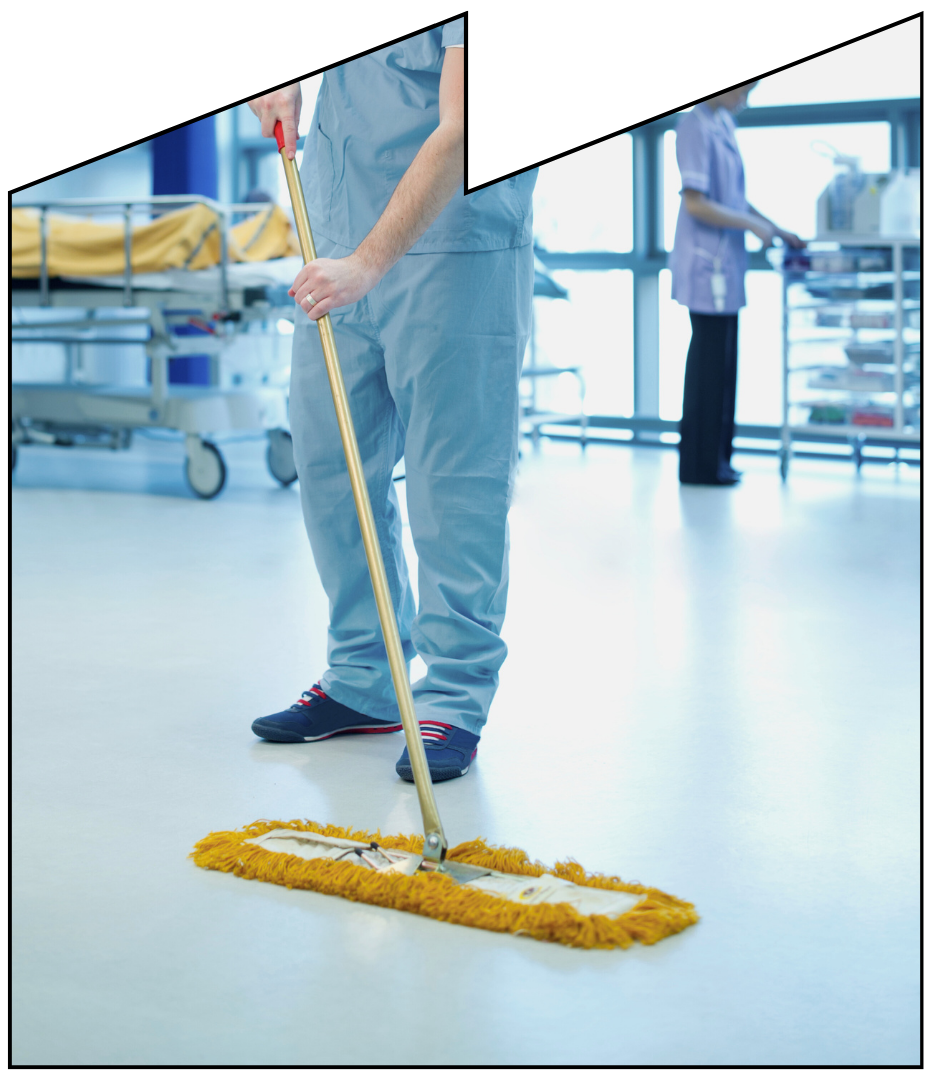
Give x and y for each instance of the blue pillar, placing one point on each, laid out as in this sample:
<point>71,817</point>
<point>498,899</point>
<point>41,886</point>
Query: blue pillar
<point>185,161</point>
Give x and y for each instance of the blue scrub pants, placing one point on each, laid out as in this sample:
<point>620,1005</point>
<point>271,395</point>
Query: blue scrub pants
<point>431,359</point>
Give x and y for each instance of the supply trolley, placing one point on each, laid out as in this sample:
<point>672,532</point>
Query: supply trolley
<point>851,347</point>
<point>187,279</point>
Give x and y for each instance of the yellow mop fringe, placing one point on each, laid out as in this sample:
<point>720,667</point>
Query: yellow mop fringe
<point>656,916</point>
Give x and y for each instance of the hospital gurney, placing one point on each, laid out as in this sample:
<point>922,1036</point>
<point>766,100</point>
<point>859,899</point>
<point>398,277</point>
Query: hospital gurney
<point>206,278</point>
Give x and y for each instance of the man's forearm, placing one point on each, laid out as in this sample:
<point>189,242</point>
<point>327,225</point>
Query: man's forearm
<point>432,179</point>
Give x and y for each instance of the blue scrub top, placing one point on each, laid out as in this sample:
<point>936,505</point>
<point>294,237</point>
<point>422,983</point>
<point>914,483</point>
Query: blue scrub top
<point>709,161</point>
<point>372,116</point>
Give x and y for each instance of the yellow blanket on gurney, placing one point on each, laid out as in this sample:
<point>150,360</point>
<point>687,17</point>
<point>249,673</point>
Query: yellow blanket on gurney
<point>187,238</point>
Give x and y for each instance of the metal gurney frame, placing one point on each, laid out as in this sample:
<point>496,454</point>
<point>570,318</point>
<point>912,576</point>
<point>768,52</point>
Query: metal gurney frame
<point>69,414</point>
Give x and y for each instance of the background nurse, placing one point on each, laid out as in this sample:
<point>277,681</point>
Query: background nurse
<point>708,265</point>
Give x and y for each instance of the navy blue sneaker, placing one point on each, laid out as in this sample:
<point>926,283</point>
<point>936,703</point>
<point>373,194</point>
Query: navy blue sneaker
<point>315,717</point>
<point>450,751</point>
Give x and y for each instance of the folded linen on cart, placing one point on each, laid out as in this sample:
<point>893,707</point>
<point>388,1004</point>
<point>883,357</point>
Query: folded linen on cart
<point>185,239</point>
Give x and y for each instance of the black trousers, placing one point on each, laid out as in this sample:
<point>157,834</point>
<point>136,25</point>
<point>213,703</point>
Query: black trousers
<point>707,424</point>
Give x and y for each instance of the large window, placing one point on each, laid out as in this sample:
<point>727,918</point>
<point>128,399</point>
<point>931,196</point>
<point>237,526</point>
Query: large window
<point>843,98</point>
<point>584,201</point>
<point>592,330</point>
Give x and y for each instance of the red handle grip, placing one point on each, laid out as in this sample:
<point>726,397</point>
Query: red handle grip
<point>278,134</point>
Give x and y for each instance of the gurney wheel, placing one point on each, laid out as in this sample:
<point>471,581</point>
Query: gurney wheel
<point>280,456</point>
<point>205,469</point>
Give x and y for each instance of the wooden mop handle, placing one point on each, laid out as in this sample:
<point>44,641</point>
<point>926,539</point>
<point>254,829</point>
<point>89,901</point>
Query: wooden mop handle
<point>434,845</point>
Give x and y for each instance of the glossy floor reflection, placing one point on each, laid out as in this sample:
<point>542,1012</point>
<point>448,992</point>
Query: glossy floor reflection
<point>714,691</point>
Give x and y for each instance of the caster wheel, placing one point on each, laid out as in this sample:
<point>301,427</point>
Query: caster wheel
<point>205,469</point>
<point>280,456</point>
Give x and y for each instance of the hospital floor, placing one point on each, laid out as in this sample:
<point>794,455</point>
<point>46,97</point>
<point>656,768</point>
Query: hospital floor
<point>711,690</point>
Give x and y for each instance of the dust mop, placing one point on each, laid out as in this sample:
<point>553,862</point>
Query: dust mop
<point>495,888</point>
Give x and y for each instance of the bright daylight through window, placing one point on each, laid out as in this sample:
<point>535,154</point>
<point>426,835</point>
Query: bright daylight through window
<point>584,204</point>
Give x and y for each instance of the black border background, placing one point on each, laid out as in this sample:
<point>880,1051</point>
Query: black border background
<point>619,71</point>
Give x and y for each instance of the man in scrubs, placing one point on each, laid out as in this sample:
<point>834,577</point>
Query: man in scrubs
<point>430,294</point>
<point>708,263</point>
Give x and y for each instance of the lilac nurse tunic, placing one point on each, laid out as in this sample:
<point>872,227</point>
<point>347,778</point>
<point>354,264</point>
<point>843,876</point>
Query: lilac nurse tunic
<point>709,161</point>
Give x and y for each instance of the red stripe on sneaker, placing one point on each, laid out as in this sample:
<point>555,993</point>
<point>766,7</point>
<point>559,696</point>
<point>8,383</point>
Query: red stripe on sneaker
<point>316,690</point>
<point>436,723</point>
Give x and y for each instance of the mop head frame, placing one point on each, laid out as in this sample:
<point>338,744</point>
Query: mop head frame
<point>565,904</point>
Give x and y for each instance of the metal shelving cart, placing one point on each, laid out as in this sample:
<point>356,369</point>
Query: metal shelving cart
<point>851,345</point>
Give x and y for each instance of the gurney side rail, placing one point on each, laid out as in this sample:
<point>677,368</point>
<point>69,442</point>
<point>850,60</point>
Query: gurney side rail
<point>127,207</point>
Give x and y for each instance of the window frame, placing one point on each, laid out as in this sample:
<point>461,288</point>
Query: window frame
<point>648,257</point>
